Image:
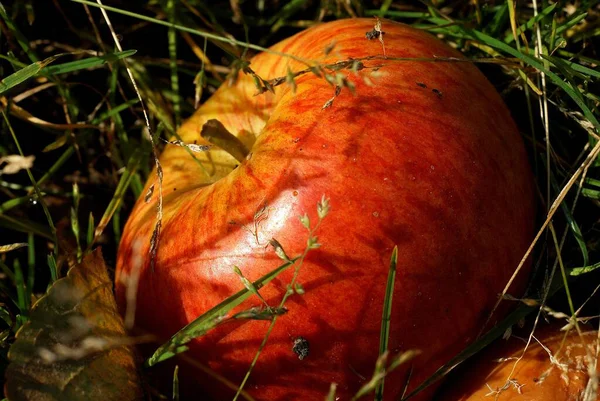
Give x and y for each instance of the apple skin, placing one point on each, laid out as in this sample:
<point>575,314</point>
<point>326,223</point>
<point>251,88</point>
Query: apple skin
<point>444,176</point>
<point>540,379</point>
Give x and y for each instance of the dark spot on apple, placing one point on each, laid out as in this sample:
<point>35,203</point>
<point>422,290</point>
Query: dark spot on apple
<point>295,193</point>
<point>296,140</point>
<point>374,34</point>
<point>301,347</point>
<point>174,189</point>
<point>437,92</point>
<point>535,380</point>
<point>421,84</point>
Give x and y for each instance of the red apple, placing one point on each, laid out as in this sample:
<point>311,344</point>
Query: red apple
<point>424,156</point>
<point>555,367</point>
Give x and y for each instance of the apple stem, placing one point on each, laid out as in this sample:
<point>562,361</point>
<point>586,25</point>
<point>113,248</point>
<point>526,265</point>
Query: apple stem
<point>216,133</point>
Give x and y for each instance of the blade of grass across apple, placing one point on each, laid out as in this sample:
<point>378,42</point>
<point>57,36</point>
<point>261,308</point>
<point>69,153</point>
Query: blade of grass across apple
<point>387,316</point>
<point>210,319</point>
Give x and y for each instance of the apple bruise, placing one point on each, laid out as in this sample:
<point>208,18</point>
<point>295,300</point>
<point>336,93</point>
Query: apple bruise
<point>436,175</point>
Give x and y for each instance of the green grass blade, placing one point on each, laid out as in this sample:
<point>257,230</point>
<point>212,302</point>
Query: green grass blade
<point>117,199</point>
<point>90,230</point>
<point>494,333</point>
<point>40,196</point>
<point>578,271</point>
<point>30,264</point>
<point>172,39</point>
<point>25,226</point>
<point>578,67</point>
<point>87,63</point>
<point>24,74</point>
<point>532,61</point>
<point>8,273</point>
<point>509,38</point>
<point>176,383</point>
<point>39,67</point>
<point>397,14</point>
<point>384,334</point>
<point>21,288</point>
<point>21,39</point>
<point>210,319</point>
<point>213,37</point>
<point>114,111</point>
<point>577,234</point>
<point>498,22</point>
<point>571,23</point>
<point>53,268</point>
<point>57,165</point>
<point>12,203</point>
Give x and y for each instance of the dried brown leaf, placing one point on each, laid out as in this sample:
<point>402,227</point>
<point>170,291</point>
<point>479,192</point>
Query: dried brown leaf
<point>74,346</point>
<point>12,164</point>
<point>12,247</point>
